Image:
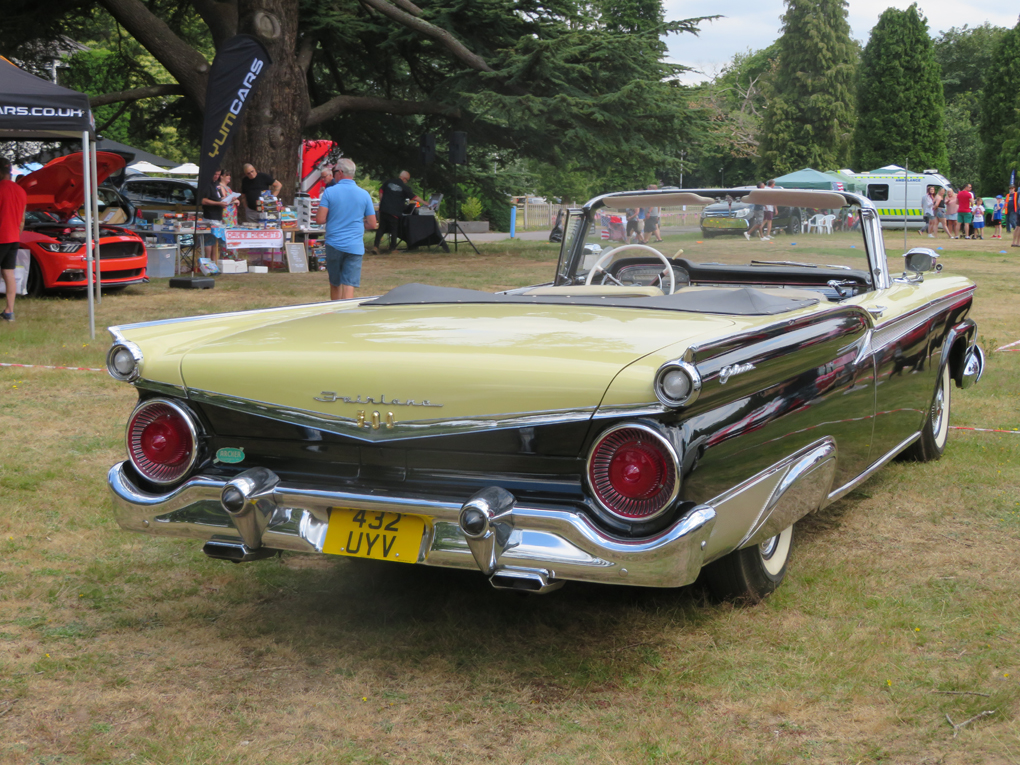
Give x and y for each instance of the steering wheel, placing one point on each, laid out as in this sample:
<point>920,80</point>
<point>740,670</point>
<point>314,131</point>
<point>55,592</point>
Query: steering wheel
<point>608,256</point>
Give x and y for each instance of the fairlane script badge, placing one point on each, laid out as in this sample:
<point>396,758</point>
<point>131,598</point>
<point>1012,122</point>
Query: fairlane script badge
<point>733,369</point>
<point>329,397</point>
<point>230,455</point>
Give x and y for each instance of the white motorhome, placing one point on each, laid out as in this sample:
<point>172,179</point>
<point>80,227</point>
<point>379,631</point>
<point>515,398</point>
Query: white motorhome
<point>897,193</point>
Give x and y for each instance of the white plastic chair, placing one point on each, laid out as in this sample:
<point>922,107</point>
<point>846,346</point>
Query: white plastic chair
<point>826,224</point>
<point>814,223</point>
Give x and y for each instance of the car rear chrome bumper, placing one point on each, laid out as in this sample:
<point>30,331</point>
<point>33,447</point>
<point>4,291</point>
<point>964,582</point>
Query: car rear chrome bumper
<point>521,545</point>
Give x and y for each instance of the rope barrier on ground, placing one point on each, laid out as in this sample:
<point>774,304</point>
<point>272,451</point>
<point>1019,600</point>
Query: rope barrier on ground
<point>47,366</point>
<point>984,430</point>
<point>1007,345</point>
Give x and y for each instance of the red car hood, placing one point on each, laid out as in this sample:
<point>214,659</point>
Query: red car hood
<point>58,188</point>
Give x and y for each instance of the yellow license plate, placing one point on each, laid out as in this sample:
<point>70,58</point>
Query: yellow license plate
<point>382,536</point>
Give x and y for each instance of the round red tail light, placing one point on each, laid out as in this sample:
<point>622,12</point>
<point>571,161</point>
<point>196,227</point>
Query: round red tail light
<point>633,472</point>
<point>162,441</point>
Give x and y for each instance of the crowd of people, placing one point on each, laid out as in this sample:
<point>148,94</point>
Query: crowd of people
<point>643,224</point>
<point>345,209</point>
<point>964,215</point>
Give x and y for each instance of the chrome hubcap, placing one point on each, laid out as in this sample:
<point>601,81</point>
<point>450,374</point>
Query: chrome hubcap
<point>937,410</point>
<point>768,547</point>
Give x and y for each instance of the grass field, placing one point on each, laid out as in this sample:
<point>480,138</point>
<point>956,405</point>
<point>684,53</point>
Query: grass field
<point>899,612</point>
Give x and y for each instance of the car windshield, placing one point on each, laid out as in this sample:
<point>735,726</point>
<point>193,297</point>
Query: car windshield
<point>732,233</point>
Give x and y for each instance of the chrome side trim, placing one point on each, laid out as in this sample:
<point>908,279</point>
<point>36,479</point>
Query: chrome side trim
<point>802,490</point>
<point>559,541</point>
<point>842,491</point>
<point>163,389</point>
<point>895,328</point>
<point>788,489</point>
<point>629,410</point>
<point>361,429</point>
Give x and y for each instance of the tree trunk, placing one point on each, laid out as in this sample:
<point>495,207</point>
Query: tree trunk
<point>271,126</point>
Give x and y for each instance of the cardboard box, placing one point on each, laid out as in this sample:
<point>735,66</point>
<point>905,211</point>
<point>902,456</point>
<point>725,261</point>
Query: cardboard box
<point>234,266</point>
<point>259,269</point>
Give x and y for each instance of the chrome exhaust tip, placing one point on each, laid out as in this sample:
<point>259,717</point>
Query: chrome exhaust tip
<point>531,581</point>
<point>235,552</point>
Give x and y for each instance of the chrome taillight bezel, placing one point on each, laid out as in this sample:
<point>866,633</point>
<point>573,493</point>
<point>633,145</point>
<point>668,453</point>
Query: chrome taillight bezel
<point>597,470</point>
<point>693,376</point>
<point>136,354</point>
<point>151,408</point>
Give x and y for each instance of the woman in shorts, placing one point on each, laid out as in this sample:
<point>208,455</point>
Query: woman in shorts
<point>952,210</point>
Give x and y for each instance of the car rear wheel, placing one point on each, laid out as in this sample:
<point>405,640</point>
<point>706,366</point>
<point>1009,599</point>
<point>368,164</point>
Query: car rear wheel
<point>752,573</point>
<point>793,227</point>
<point>935,433</point>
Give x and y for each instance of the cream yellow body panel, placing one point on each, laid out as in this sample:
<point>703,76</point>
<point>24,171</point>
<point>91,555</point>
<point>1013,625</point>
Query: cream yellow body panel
<point>164,344</point>
<point>470,361</point>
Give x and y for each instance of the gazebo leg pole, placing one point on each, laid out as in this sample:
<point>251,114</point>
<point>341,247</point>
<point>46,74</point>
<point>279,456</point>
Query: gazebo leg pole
<point>93,201</point>
<point>86,175</point>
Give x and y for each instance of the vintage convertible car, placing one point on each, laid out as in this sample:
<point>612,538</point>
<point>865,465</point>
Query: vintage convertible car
<point>641,419</point>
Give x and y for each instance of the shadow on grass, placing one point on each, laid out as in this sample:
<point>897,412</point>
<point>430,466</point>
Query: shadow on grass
<point>362,611</point>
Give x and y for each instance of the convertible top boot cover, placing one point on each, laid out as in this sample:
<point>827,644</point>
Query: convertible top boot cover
<point>742,301</point>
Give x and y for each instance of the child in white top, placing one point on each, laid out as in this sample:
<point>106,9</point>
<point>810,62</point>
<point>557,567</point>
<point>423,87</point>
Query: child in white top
<point>978,224</point>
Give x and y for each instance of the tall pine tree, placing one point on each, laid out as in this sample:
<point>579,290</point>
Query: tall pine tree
<point>1000,116</point>
<point>900,103</point>
<point>810,116</point>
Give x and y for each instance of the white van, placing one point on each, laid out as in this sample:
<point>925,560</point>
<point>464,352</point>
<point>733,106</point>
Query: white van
<point>897,194</point>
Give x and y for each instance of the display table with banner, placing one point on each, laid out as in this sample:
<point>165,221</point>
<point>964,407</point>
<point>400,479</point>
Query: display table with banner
<point>264,244</point>
<point>421,231</point>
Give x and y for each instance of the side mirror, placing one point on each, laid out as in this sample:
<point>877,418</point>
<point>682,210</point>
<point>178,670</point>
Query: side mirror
<point>921,260</point>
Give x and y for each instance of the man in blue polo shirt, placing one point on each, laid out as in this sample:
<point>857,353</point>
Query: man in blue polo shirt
<point>347,211</point>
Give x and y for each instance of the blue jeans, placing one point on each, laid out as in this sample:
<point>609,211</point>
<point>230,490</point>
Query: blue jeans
<point>343,267</point>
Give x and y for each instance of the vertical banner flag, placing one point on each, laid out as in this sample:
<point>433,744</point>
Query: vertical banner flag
<point>235,72</point>
<point>1012,177</point>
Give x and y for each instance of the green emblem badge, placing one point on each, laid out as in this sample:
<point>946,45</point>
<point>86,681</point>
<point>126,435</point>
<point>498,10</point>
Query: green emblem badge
<point>230,455</point>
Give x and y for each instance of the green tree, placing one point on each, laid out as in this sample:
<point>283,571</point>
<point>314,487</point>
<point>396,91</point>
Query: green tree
<point>563,81</point>
<point>1000,115</point>
<point>727,133</point>
<point>899,97</point>
<point>963,141</point>
<point>965,54</point>
<point>810,115</point>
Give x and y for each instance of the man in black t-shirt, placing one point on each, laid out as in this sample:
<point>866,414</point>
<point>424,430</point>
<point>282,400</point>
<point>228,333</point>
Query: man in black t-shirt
<point>393,198</point>
<point>252,186</point>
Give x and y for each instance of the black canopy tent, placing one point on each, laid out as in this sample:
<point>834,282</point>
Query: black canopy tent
<point>34,109</point>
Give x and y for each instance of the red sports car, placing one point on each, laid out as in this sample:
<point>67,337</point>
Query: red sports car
<point>55,233</point>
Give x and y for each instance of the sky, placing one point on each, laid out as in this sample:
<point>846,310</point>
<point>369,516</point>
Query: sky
<point>755,24</point>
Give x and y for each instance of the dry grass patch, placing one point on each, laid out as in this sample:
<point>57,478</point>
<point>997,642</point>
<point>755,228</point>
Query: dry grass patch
<point>900,606</point>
